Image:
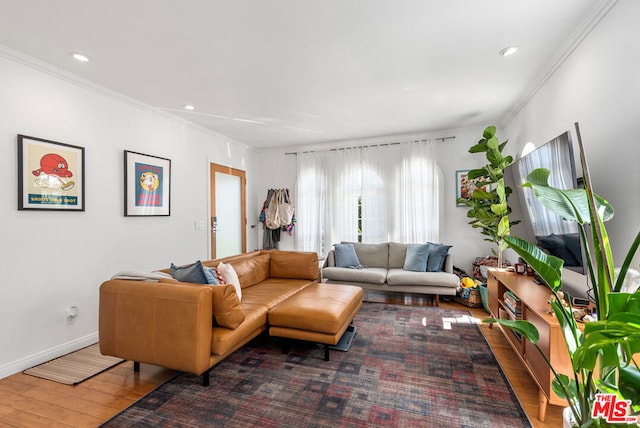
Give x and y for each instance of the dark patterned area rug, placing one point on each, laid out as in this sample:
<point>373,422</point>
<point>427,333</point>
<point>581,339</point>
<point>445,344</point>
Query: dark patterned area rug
<point>407,367</point>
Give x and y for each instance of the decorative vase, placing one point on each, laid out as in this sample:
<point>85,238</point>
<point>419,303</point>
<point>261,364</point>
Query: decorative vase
<point>485,296</point>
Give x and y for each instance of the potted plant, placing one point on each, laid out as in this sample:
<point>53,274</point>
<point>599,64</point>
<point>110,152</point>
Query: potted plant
<point>487,204</point>
<point>602,355</point>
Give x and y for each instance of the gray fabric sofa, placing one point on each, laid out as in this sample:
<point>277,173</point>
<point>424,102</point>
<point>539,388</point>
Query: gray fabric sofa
<point>383,271</point>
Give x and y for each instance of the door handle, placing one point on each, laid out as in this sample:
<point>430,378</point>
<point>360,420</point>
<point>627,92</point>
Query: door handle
<point>214,225</point>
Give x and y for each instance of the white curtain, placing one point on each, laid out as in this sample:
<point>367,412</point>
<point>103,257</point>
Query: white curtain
<point>557,158</point>
<point>417,206</point>
<point>396,184</point>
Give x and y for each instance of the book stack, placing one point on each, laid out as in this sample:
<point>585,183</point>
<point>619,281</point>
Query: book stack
<point>513,304</point>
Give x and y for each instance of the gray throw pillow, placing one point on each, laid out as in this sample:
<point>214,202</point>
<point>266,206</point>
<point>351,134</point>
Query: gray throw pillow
<point>437,256</point>
<point>346,255</point>
<point>416,257</point>
<point>190,273</point>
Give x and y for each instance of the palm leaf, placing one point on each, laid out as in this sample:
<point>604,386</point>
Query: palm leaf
<point>547,266</point>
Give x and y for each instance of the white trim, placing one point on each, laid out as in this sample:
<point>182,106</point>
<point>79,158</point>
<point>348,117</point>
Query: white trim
<point>51,70</point>
<point>47,355</point>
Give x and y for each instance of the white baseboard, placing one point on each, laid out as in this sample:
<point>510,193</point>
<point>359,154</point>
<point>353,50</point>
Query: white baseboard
<point>46,355</point>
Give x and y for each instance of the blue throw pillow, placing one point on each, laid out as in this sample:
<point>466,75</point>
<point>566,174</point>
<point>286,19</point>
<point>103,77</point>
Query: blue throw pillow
<point>437,256</point>
<point>416,257</point>
<point>189,273</point>
<point>346,255</point>
<point>210,274</point>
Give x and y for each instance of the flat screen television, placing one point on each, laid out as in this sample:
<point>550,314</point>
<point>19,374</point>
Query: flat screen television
<point>540,226</point>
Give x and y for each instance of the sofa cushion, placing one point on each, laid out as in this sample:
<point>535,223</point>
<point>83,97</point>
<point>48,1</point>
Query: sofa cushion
<point>251,270</point>
<point>231,277</point>
<point>227,310</point>
<point>225,340</point>
<point>346,256</point>
<point>273,291</point>
<point>369,275</point>
<point>397,253</point>
<point>405,277</point>
<point>437,255</point>
<point>416,257</point>
<point>294,265</point>
<point>372,255</point>
<point>189,273</point>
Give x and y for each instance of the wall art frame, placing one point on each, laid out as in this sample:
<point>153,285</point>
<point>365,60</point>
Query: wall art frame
<point>50,175</point>
<point>465,186</point>
<point>147,185</point>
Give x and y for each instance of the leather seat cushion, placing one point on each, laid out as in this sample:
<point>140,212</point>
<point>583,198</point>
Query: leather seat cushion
<point>323,308</point>
<point>273,291</point>
<point>224,339</point>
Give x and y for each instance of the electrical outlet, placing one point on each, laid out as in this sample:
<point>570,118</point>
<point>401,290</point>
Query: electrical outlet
<point>71,315</point>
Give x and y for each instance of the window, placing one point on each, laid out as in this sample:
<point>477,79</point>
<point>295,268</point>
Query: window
<point>369,195</point>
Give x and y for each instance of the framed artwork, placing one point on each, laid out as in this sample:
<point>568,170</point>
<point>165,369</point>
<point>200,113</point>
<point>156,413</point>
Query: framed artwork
<point>465,186</point>
<point>50,175</point>
<point>147,185</point>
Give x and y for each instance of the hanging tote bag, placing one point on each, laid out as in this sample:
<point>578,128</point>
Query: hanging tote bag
<point>272,215</point>
<point>285,209</point>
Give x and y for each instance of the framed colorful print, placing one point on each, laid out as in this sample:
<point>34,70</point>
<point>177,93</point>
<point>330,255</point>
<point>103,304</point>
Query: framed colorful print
<point>465,186</point>
<point>50,175</point>
<point>147,185</point>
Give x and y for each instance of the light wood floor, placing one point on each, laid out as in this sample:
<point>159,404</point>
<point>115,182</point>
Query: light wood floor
<point>26,401</point>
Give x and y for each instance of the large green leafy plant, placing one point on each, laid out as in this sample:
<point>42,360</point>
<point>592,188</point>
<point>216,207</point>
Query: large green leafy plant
<point>488,207</point>
<point>602,355</point>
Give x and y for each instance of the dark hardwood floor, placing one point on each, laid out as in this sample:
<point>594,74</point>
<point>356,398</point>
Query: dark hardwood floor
<point>27,401</point>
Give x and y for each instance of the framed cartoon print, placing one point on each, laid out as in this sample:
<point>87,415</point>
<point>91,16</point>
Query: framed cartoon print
<point>50,175</point>
<point>147,185</point>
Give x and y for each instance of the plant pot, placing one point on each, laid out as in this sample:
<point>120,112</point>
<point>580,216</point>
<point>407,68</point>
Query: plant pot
<point>484,294</point>
<point>568,420</point>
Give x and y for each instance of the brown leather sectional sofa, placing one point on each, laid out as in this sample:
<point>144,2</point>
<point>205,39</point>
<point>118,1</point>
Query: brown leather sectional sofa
<point>192,327</point>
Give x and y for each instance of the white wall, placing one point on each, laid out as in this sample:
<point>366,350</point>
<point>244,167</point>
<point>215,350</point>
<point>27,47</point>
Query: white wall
<point>276,170</point>
<point>52,260</point>
<point>598,86</point>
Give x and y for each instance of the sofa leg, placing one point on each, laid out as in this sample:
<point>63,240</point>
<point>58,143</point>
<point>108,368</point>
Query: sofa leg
<point>205,378</point>
<point>437,300</point>
<point>285,346</point>
<point>136,366</point>
<point>326,352</point>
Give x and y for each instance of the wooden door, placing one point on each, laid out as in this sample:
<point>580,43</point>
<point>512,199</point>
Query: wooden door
<point>228,222</point>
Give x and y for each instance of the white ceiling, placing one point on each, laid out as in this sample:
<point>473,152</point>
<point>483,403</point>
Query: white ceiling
<point>311,71</point>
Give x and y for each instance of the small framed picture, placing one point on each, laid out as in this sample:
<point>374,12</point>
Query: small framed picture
<point>50,175</point>
<point>147,185</point>
<point>465,186</point>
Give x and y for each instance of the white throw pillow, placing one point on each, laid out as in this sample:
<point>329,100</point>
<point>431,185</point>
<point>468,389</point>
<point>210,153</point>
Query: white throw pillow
<point>231,277</point>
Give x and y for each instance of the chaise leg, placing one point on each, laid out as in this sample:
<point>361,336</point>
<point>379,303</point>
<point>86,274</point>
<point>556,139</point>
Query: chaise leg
<point>205,378</point>
<point>136,366</point>
<point>285,346</point>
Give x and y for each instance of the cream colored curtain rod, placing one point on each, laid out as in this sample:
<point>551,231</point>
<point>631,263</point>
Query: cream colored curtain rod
<point>373,145</point>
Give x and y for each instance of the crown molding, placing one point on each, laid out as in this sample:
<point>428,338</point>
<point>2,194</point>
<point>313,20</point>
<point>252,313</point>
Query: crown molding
<point>74,79</point>
<point>591,21</point>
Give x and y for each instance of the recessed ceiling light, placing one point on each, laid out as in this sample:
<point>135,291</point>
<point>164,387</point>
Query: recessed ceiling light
<point>80,57</point>
<point>509,50</point>
<point>189,107</point>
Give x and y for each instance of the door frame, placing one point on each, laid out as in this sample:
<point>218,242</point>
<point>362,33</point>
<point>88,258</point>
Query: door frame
<point>213,168</point>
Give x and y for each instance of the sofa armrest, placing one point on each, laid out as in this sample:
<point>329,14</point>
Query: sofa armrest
<point>448,264</point>
<point>169,325</point>
<point>330,260</point>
